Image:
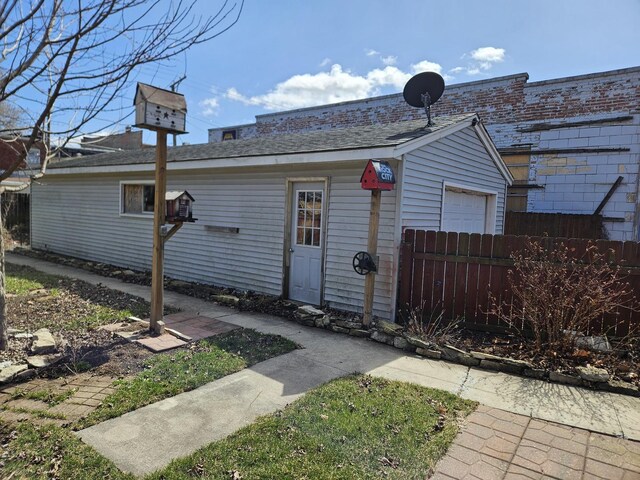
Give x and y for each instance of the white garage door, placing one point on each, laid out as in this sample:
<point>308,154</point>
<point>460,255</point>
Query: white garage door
<point>464,212</point>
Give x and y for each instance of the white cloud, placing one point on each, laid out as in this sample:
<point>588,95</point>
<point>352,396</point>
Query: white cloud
<point>426,66</point>
<point>309,89</point>
<point>325,62</point>
<point>389,60</point>
<point>388,76</point>
<point>370,52</point>
<point>488,55</point>
<point>211,106</point>
<point>481,60</point>
<point>335,85</point>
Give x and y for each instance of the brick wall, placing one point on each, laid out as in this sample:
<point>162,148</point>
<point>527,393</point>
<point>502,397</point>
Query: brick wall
<point>599,93</point>
<point>501,103</point>
<point>11,150</point>
<point>128,140</point>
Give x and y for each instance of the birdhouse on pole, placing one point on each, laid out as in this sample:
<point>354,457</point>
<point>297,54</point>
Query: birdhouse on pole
<point>165,112</point>
<point>158,109</point>
<point>378,175</point>
<point>179,207</point>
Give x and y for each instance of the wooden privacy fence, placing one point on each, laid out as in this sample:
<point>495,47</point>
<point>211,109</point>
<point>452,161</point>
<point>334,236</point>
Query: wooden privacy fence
<point>554,225</point>
<point>455,274</point>
<point>15,214</point>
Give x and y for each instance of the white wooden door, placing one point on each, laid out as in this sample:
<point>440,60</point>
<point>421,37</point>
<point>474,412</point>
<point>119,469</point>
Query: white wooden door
<point>464,212</point>
<point>305,266</point>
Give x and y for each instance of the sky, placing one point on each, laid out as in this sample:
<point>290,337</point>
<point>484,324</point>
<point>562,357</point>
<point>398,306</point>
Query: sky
<point>285,54</point>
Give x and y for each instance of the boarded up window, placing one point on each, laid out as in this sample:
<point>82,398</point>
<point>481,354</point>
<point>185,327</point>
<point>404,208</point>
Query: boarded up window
<point>517,195</point>
<point>137,199</point>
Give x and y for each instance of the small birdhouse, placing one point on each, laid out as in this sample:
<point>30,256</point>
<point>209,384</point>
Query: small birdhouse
<point>378,175</point>
<point>179,207</point>
<point>158,109</point>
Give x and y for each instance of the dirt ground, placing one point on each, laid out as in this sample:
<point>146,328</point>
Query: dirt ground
<point>623,362</point>
<point>74,312</point>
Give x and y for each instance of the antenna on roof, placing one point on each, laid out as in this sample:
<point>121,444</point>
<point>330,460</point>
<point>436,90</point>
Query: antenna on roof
<point>423,90</point>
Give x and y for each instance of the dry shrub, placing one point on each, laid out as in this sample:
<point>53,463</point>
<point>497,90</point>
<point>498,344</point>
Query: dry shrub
<point>432,326</point>
<point>559,296</point>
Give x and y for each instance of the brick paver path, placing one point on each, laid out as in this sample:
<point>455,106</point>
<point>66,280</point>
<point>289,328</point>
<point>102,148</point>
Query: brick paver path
<point>84,393</point>
<point>500,445</point>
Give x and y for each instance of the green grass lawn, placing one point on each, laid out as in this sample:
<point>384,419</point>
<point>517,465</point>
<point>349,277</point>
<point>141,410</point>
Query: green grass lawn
<point>169,374</point>
<point>22,280</point>
<point>46,452</point>
<point>357,427</point>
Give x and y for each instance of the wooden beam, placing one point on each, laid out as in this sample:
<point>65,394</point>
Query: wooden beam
<point>372,248</point>
<point>551,126</point>
<point>562,151</point>
<point>157,265</point>
<point>606,198</point>
<point>172,231</point>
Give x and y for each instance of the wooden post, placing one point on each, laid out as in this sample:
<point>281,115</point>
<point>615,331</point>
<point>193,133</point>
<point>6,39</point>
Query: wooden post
<point>157,266</point>
<point>372,248</point>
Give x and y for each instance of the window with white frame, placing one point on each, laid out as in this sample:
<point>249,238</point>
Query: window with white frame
<point>137,198</point>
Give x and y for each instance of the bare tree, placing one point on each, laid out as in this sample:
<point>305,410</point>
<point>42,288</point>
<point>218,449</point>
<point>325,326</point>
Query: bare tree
<point>75,57</point>
<point>10,117</point>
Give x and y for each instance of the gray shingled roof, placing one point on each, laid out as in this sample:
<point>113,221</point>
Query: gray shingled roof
<point>370,136</point>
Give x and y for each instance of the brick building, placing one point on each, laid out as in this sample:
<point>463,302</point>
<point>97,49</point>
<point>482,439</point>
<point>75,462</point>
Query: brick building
<point>127,140</point>
<point>566,140</point>
<point>12,148</point>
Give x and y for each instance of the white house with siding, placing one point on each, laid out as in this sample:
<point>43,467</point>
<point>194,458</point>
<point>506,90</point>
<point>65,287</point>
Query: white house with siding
<point>281,215</point>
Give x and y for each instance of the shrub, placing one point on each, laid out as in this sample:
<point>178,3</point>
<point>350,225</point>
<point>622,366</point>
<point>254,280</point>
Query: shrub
<point>432,326</point>
<point>559,295</point>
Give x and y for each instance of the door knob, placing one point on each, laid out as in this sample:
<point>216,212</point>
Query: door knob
<point>291,250</point>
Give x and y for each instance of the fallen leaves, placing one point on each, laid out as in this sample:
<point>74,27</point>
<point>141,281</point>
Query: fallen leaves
<point>389,462</point>
<point>197,470</point>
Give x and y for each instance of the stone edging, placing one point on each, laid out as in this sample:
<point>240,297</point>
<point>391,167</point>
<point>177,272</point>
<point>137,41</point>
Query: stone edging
<point>392,334</point>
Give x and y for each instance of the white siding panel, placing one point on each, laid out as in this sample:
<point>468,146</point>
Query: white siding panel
<point>458,158</point>
<point>79,216</point>
<point>347,232</point>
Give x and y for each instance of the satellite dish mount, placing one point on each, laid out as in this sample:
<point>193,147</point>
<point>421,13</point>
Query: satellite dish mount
<point>426,101</point>
<point>423,90</point>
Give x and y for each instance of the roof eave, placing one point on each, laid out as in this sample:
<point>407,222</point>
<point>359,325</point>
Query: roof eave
<point>330,156</point>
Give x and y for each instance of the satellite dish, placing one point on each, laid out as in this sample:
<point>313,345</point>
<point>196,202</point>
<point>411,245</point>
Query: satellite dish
<point>423,90</point>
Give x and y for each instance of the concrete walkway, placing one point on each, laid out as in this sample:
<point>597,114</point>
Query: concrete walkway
<point>147,439</point>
